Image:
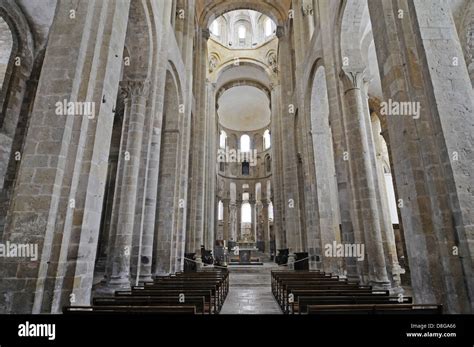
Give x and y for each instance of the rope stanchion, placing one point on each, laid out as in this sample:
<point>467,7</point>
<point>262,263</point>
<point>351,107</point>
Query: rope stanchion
<point>216,266</point>
<point>225,267</point>
<point>296,261</point>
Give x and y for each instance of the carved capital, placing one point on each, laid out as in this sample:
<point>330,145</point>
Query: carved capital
<point>352,79</point>
<point>280,31</point>
<point>206,34</point>
<point>133,89</point>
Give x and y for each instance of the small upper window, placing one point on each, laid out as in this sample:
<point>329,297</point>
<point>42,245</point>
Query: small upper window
<point>245,143</point>
<point>215,28</point>
<point>242,32</point>
<point>223,140</point>
<point>268,27</point>
<point>266,140</point>
<point>270,211</point>
<point>246,213</point>
<point>220,211</point>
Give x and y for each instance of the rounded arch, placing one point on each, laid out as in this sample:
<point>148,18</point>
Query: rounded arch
<point>20,29</point>
<point>140,42</point>
<point>353,25</point>
<point>467,38</point>
<point>172,99</point>
<point>177,80</point>
<point>348,35</point>
<point>264,73</point>
<point>243,82</point>
<point>23,51</point>
<point>274,10</point>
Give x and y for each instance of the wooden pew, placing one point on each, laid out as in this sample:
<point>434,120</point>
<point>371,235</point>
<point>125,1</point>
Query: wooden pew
<point>182,288</point>
<point>207,294</point>
<point>130,310</point>
<point>375,309</point>
<point>198,301</point>
<point>301,304</point>
<point>203,291</point>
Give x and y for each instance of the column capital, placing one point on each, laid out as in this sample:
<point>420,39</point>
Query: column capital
<point>353,78</point>
<point>136,88</point>
<point>280,31</point>
<point>206,34</point>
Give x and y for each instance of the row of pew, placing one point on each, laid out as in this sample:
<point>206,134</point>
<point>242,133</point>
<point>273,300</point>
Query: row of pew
<point>201,292</point>
<point>315,292</point>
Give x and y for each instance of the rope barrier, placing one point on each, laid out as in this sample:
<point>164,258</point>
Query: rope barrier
<point>225,267</point>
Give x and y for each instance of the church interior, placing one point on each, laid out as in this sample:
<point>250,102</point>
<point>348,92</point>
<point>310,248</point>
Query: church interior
<point>236,157</point>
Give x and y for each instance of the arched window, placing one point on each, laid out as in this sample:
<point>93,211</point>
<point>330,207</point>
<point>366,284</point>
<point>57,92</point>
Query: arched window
<point>267,140</point>
<point>246,213</point>
<point>215,28</point>
<point>245,168</point>
<point>6,52</point>
<point>242,32</point>
<point>268,27</point>
<point>258,191</point>
<point>220,211</point>
<point>245,143</point>
<point>223,140</point>
<point>270,211</point>
<point>268,164</point>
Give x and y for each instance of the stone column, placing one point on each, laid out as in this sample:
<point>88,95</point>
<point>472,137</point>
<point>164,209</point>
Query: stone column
<point>339,140</point>
<point>239,220</point>
<point>58,195</point>
<point>390,249</point>
<point>431,150</point>
<point>388,237</point>
<point>226,219</point>
<point>364,191</point>
<point>137,98</point>
<point>277,174</point>
<point>265,226</point>
<point>289,162</point>
<point>233,221</point>
<point>198,185</point>
<point>253,207</point>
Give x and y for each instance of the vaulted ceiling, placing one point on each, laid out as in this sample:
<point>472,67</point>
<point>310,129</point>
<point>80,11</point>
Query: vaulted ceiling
<point>207,10</point>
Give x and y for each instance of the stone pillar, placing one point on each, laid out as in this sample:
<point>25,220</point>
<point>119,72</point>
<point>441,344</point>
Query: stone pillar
<point>339,140</point>
<point>226,219</point>
<point>60,184</point>
<point>364,191</point>
<point>253,207</point>
<point>233,221</point>
<point>239,220</point>
<point>289,162</point>
<point>266,226</point>
<point>431,151</point>
<point>145,268</point>
<point>136,99</point>
<point>388,237</point>
<point>390,249</point>
<point>197,195</point>
<point>277,174</point>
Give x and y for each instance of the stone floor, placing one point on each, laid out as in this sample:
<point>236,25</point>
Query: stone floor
<point>250,291</point>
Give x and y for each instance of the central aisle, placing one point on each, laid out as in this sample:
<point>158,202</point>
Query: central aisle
<point>250,291</point>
